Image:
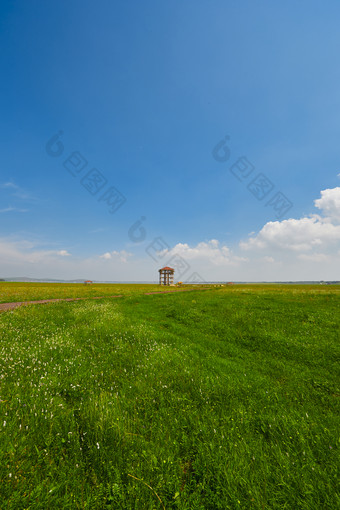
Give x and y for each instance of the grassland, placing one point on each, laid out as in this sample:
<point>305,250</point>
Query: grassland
<point>223,399</point>
<point>11,292</point>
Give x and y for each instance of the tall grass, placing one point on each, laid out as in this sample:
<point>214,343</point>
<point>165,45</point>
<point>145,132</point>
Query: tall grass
<point>13,292</point>
<point>227,399</point>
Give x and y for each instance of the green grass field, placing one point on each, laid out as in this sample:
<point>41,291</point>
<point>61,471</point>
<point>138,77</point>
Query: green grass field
<point>12,292</point>
<point>222,399</point>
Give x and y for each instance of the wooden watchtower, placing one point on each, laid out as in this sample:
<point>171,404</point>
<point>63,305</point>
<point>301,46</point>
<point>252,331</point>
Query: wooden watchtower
<point>166,276</point>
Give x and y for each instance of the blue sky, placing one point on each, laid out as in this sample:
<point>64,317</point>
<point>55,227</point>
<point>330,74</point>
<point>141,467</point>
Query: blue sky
<point>143,92</point>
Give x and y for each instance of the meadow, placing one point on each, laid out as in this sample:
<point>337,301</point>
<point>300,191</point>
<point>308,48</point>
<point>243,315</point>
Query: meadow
<point>226,398</point>
<point>11,292</point>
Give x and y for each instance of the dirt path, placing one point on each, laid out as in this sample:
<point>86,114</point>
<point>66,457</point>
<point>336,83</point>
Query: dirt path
<point>10,306</point>
<point>4,307</point>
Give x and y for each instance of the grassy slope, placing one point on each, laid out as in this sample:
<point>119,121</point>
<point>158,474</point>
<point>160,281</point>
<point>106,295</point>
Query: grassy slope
<point>219,399</point>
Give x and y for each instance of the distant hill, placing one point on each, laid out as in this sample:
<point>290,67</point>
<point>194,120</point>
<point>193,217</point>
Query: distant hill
<point>25,279</point>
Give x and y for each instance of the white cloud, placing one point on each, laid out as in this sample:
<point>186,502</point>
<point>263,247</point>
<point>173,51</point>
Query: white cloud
<point>314,257</point>
<point>304,234</point>
<point>295,249</point>
<point>26,252</point>
<point>329,203</point>
<point>210,251</point>
<point>297,235</point>
<point>24,258</point>
<point>120,255</point>
<point>303,249</point>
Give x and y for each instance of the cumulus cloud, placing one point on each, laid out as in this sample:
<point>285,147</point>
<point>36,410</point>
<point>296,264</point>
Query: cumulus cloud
<point>329,204</point>
<point>306,248</point>
<point>297,235</point>
<point>304,234</point>
<point>211,251</point>
<point>120,255</point>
